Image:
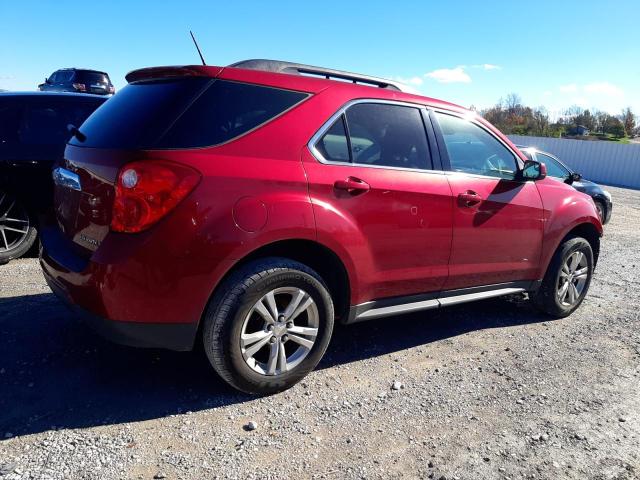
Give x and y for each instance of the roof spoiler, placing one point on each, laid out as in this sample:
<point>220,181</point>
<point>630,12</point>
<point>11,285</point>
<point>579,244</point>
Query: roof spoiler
<point>278,66</point>
<point>155,73</point>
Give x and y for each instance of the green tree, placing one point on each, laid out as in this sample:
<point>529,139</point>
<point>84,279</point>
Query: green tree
<point>629,121</point>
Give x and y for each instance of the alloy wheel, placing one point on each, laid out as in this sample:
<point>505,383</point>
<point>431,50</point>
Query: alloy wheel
<point>14,222</point>
<point>279,331</point>
<point>572,279</point>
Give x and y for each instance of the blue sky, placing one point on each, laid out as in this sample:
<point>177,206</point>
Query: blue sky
<point>552,54</point>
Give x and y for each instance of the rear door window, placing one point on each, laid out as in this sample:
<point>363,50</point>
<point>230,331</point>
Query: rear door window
<point>388,135</point>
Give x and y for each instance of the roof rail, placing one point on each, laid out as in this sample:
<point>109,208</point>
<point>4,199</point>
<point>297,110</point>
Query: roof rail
<point>328,73</point>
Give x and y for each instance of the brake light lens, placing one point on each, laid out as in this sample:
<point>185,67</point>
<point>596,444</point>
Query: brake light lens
<point>81,87</point>
<point>146,191</point>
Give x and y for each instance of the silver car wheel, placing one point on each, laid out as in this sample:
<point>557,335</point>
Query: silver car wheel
<point>279,331</point>
<point>572,279</point>
<point>14,223</point>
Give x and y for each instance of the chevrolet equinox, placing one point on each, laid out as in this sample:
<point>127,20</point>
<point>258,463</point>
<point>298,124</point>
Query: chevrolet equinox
<point>250,207</point>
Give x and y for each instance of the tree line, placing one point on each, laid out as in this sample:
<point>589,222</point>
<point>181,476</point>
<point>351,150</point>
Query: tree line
<point>512,117</point>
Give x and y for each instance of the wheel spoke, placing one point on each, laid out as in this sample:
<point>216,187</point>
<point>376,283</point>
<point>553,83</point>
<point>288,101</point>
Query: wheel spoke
<point>581,273</point>
<point>264,312</point>
<point>308,331</point>
<point>274,351</point>
<point>301,341</point>
<point>562,293</point>
<point>301,308</point>
<point>247,339</point>
<point>295,301</point>
<point>251,351</point>
<point>577,258</point>
<point>15,229</point>
<point>15,220</point>
<point>574,293</point>
<point>4,237</point>
<point>9,209</point>
<point>271,303</point>
<point>282,359</point>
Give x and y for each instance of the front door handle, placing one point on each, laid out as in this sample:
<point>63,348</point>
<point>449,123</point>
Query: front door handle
<point>469,198</point>
<point>352,185</point>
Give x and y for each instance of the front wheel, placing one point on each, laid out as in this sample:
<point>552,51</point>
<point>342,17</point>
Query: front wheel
<point>17,228</point>
<point>268,325</point>
<point>567,279</point>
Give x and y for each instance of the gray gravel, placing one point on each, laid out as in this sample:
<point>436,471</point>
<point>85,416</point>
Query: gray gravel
<point>485,391</point>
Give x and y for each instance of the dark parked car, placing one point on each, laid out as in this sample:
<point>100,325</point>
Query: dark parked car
<point>557,169</point>
<point>33,134</point>
<point>78,80</point>
<point>251,206</point>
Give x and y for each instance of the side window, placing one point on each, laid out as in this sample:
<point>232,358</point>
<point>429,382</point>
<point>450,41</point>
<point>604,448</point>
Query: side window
<point>388,135</point>
<point>334,145</point>
<point>53,78</point>
<point>472,149</point>
<point>554,169</point>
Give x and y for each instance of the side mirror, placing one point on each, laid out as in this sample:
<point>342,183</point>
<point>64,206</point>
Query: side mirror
<point>533,170</point>
<point>46,80</point>
<point>575,177</point>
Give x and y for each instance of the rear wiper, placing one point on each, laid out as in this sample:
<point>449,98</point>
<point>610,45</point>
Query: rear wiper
<point>75,132</point>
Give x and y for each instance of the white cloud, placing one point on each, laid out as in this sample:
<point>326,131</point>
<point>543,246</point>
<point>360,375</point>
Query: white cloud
<point>490,66</point>
<point>449,75</point>
<point>416,81</point>
<point>572,87</point>
<point>603,88</point>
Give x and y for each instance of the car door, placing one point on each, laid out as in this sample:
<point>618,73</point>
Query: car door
<point>379,200</point>
<point>497,218</point>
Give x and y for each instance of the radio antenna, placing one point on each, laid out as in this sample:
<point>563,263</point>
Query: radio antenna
<point>197,48</point>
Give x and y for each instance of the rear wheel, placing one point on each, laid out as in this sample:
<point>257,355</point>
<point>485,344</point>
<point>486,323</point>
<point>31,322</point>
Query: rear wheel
<point>567,279</point>
<point>268,325</point>
<point>17,228</point>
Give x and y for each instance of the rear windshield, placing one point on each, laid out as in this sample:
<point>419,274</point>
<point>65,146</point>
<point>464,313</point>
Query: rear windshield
<point>184,113</point>
<point>92,77</point>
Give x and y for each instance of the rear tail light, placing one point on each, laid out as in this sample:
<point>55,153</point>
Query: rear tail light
<point>81,87</point>
<point>148,190</point>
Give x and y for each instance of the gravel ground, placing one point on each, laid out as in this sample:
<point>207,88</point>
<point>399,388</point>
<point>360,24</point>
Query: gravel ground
<point>489,390</point>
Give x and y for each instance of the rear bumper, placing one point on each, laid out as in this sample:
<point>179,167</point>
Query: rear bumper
<point>172,336</point>
<point>123,307</point>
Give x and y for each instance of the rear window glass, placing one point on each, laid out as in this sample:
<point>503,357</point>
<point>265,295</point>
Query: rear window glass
<point>93,77</point>
<point>185,113</point>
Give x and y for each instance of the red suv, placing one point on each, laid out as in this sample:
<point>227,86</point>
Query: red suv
<point>251,206</point>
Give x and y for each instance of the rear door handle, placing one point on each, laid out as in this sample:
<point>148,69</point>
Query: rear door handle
<point>469,198</point>
<point>352,185</point>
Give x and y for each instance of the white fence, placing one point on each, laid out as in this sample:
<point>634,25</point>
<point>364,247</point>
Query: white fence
<point>603,162</point>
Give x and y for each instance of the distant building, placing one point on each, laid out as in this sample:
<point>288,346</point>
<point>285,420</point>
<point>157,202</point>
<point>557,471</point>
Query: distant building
<point>580,130</point>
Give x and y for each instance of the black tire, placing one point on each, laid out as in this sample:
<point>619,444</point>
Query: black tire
<point>16,245</point>
<point>547,299</point>
<point>230,306</point>
<point>602,210</point>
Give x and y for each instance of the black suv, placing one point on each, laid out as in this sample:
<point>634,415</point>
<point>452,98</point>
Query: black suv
<point>33,136</point>
<point>79,81</point>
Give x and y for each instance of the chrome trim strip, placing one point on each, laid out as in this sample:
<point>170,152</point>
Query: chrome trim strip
<point>435,303</point>
<point>470,297</point>
<point>398,309</point>
<point>66,178</point>
<point>311,145</point>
